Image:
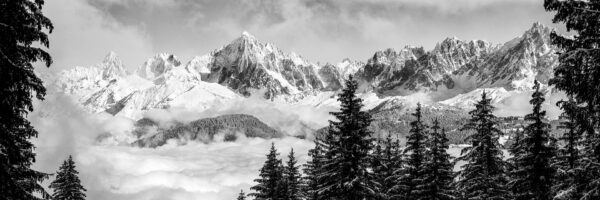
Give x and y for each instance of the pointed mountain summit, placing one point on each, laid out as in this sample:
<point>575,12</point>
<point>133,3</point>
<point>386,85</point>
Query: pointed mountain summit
<point>158,65</point>
<point>246,65</point>
<point>112,66</point>
<point>247,35</point>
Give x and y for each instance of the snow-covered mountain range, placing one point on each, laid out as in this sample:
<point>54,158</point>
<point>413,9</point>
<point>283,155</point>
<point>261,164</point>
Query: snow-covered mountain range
<point>451,75</point>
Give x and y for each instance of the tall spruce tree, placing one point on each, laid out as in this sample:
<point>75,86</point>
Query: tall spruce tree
<point>22,26</point>
<point>67,185</point>
<point>311,170</point>
<point>533,176</point>
<point>569,181</point>
<point>578,75</point>
<point>483,177</point>
<point>438,168</point>
<point>345,169</point>
<point>416,149</point>
<point>241,196</point>
<point>269,186</point>
<point>292,178</point>
<point>387,159</point>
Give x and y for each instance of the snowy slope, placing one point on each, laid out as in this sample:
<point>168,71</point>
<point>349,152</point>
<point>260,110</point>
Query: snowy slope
<point>161,82</point>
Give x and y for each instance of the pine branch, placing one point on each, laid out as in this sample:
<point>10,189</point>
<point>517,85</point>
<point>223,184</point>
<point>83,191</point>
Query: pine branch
<point>588,10</point>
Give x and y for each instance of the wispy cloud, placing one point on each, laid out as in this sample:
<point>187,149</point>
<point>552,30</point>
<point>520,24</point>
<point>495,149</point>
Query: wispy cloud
<point>83,35</point>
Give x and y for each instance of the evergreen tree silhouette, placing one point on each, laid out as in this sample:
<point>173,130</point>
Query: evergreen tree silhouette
<point>569,182</point>
<point>67,185</point>
<point>578,75</point>
<point>22,27</point>
<point>311,169</point>
<point>483,177</point>
<point>438,168</point>
<point>269,184</point>
<point>292,178</point>
<point>415,163</point>
<point>387,159</point>
<point>345,168</point>
<point>241,196</point>
<point>533,176</point>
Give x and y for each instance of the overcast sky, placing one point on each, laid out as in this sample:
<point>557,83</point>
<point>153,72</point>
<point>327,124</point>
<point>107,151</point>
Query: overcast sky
<point>320,30</point>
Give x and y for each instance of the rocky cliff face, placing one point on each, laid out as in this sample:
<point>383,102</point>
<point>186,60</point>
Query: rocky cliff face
<point>246,65</point>
<point>468,64</point>
<point>518,62</point>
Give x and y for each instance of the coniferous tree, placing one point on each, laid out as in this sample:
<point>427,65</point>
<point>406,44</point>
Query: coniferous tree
<point>578,75</point>
<point>345,169</point>
<point>311,182</point>
<point>532,176</point>
<point>483,176</point>
<point>377,166</point>
<point>67,185</point>
<point>292,178</point>
<point>416,149</point>
<point>22,26</point>
<point>569,183</point>
<point>241,196</point>
<point>398,189</point>
<point>438,168</point>
<point>516,151</point>
<point>269,185</point>
<point>387,159</point>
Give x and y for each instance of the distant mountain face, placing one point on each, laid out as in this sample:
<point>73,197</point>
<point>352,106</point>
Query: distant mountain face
<point>227,127</point>
<point>454,72</point>
<point>466,64</point>
<point>246,65</point>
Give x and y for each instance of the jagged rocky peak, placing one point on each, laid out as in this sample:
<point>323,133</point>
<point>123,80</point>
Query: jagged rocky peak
<point>519,61</point>
<point>537,39</point>
<point>453,45</point>
<point>246,65</point>
<point>476,62</point>
<point>539,36</point>
<point>298,59</point>
<point>390,55</point>
<point>348,67</point>
<point>201,64</point>
<point>245,39</point>
<point>540,28</point>
<point>246,34</point>
<point>158,65</point>
<point>112,66</point>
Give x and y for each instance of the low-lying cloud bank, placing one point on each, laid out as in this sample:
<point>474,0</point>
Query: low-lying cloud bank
<point>194,171</point>
<point>114,171</point>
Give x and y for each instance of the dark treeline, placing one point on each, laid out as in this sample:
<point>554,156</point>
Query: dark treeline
<point>347,163</point>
